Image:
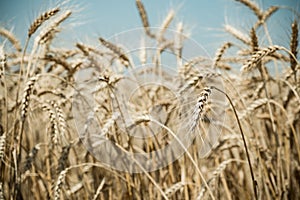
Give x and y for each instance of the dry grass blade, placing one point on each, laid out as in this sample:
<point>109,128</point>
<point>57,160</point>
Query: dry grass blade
<point>99,189</point>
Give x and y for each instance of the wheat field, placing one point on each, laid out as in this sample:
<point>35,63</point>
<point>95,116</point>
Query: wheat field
<point>105,122</point>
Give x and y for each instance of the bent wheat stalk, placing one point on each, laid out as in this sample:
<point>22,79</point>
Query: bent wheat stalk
<point>244,141</point>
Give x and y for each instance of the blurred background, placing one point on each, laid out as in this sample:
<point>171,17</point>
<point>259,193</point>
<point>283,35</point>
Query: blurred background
<point>204,20</point>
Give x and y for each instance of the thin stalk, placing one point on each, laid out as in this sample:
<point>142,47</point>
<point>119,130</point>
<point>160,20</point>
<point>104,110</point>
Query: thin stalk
<point>254,183</point>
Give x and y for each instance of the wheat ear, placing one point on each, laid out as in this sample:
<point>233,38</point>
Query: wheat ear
<point>7,34</point>
<point>144,18</point>
<point>41,19</point>
<point>255,58</point>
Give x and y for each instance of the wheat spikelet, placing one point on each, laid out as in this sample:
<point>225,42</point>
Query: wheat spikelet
<point>237,34</point>
<point>253,6</point>
<point>220,53</point>
<point>117,50</point>
<point>41,19</point>
<point>26,96</point>
<point>258,56</point>
<point>144,18</point>
<point>7,34</point>
<point>174,188</point>
<point>294,44</point>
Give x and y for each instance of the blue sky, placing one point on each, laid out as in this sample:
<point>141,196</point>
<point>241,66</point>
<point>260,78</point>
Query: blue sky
<point>203,18</point>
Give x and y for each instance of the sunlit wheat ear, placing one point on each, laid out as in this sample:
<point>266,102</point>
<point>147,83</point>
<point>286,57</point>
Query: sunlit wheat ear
<point>60,181</point>
<point>220,53</point>
<point>2,145</point>
<point>294,44</point>
<point>46,34</point>
<point>117,50</point>
<point>26,96</point>
<point>144,18</point>
<point>61,122</point>
<point>252,6</point>
<point>199,108</point>
<point>11,38</point>
<point>255,58</point>
<point>174,188</point>
<point>237,34</point>
<point>165,25</point>
<point>54,130</point>
<point>41,19</point>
